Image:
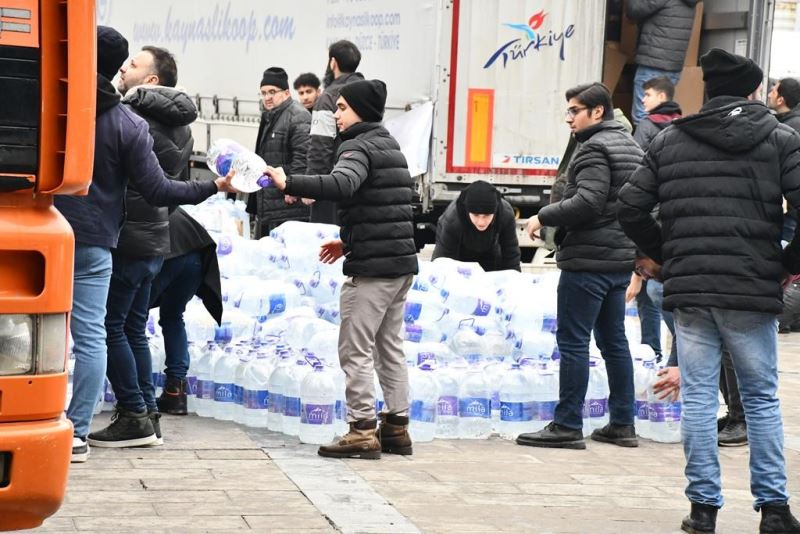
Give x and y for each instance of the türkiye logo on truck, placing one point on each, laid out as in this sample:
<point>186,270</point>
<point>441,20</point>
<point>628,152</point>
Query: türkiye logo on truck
<point>534,39</point>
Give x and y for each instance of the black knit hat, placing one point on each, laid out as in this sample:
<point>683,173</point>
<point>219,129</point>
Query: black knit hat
<point>112,51</point>
<point>275,76</point>
<point>729,75</point>
<point>480,197</point>
<point>367,98</point>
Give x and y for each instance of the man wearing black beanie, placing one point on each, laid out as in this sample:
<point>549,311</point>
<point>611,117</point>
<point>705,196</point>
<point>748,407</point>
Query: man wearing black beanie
<point>479,226</point>
<point>123,152</point>
<point>720,177</point>
<point>370,180</point>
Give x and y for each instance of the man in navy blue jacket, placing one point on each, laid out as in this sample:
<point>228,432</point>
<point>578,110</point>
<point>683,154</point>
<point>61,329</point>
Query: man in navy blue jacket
<point>123,151</point>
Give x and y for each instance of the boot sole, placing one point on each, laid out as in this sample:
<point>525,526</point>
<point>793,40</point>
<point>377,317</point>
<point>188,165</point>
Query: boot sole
<point>621,442</point>
<point>137,442</point>
<point>365,455</point>
<point>692,530</point>
<point>403,451</point>
<point>729,444</point>
<point>79,458</point>
<point>578,445</point>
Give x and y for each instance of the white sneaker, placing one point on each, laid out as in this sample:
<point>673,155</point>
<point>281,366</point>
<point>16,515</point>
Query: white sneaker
<point>80,450</point>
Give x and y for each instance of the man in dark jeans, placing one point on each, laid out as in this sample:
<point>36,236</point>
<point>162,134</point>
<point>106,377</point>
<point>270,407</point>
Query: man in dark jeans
<point>596,260</point>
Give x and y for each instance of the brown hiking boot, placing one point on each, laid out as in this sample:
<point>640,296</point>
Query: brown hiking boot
<point>393,434</point>
<point>361,442</point>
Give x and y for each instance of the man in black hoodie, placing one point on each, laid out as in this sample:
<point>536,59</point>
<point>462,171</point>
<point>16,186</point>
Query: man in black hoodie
<point>479,226</point>
<point>720,177</point>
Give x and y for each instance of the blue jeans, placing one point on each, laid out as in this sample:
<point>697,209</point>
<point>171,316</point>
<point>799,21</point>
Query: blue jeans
<point>649,319</point>
<point>176,284</point>
<point>586,302</point>
<point>642,75</point>
<point>655,291</point>
<point>129,363</point>
<point>91,279</point>
<point>752,339</point>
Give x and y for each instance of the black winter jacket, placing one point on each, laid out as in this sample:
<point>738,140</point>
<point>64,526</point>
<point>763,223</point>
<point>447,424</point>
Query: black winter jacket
<point>665,27</point>
<point>590,238</point>
<point>322,147</point>
<point>495,249</point>
<point>656,120</point>
<point>168,113</point>
<point>790,118</point>
<point>720,177</point>
<point>374,189</point>
<point>282,141</point>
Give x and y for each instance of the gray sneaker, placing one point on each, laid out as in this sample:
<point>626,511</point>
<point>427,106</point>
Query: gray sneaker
<point>733,435</point>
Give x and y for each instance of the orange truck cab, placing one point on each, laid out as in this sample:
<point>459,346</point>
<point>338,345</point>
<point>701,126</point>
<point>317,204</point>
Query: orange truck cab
<point>47,113</point>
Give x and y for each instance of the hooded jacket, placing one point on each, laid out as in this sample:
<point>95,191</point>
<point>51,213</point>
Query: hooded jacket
<point>656,120</point>
<point>123,152</point>
<point>495,249</point>
<point>665,27</point>
<point>790,118</point>
<point>371,182</point>
<point>720,177</point>
<point>590,236</point>
<point>168,113</point>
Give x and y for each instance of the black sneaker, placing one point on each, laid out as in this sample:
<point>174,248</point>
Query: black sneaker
<point>701,520</point>
<point>733,435</point>
<point>622,435</point>
<point>155,419</point>
<point>777,519</point>
<point>722,422</point>
<point>80,450</point>
<point>173,399</point>
<point>553,436</point>
<point>127,429</point>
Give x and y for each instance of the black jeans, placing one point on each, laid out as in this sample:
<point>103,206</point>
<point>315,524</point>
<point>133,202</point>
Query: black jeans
<point>593,301</point>
<point>730,389</point>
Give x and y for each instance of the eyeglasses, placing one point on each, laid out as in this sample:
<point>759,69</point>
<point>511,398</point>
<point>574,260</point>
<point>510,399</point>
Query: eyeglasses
<point>271,92</point>
<point>571,112</point>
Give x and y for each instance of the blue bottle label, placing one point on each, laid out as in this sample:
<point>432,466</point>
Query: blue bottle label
<point>422,412</point>
<point>191,385</point>
<point>544,410</point>
<point>664,412</point>
<point>413,333</point>
<point>291,407</point>
<point>317,414</point>
<point>341,410</point>
<point>277,403</point>
<point>378,406</point>
<point>595,408</point>
<point>253,399</point>
<point>516,411</point>
<point>482,309</point>
<point>413,311</point>
<point>475,407</point>
<point>223,392</point>
<point>447,406</point>
<point>495,401</point>
<point>238,394</point>
<point>277,304</point>
<point>423,357</point>
<point>205,389</point>
<point>642,412</point>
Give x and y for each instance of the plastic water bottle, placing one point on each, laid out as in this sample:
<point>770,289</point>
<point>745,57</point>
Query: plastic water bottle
<point>380,401</point>
<point>494,371</point>
<point>474,403</point>
<point>545,398</point>
<point>424,400</point>
<point>516,403</point>
<point>277,387</point>
<point>447,406</point>
<point>595,405</point>
<point>317,406</point>
<point>665,418</point>
<point>224,375</point>
<point>224,154</point>
<point>419,333</point>
<point>255,395</point>
<point>644,374</point>
<point>195,354</point>
<point>204,389</point>
<point>464,297</point>
<point>291,395</point>
<point>341,426</point>
<point>245,358</point>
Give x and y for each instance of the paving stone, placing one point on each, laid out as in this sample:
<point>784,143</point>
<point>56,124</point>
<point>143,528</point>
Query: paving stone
<point>168,525</point>
<point>298,523</point>
<point>121,509</point>
<point>56,524</point>
<point>227,454</point>
<point>166,496</point>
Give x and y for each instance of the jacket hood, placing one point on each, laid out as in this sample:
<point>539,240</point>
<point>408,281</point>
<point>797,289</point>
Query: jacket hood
<point>730,123</point>
<point>166,105</point>
<point>667,108</point>
<point>791,114</point>
<point>347,78</point>
<point>107,96</point>
<point>584,135</point>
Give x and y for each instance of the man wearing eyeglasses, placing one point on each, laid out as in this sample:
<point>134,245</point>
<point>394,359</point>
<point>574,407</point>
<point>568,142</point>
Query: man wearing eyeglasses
<point>282,141</point>
<point>596,260</point>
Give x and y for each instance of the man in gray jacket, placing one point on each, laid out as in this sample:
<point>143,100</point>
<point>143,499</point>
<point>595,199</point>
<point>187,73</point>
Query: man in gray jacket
<point>665,27</point>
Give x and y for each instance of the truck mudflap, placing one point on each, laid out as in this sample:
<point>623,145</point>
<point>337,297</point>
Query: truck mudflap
<point>34,464</point>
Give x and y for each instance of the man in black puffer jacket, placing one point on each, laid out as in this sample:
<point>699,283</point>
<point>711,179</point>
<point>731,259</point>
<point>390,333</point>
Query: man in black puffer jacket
<point>720,177</point>
<point>596,260</point>
<point>479,226</point>
<point>665,27</point>
<point>282,141</point>
<point>372,184</point>
<point>147,82</point>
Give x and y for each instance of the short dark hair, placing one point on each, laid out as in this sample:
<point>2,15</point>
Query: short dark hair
<point>163,65</point>
<point>346,55</point>
<point>308,79</point>
<point>661,84</point>
<point>593,95</point>
<point>789,89</point>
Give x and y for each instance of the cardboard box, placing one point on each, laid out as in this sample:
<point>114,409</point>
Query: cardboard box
<point>690,90</point>
<point>693,50</point>
<point>629,37</point>
<point>613,63</point>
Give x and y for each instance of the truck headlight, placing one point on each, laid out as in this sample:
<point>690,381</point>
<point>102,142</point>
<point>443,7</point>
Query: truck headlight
<point>32,344</point>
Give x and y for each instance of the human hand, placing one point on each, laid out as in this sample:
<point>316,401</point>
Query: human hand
<point>634,287</point>
<point>278,177</point>
<point>289,199</point>
<point>533,227</point>
<point>331,250</point>
<point>308,201</point>
<point>647,268</point>
<point>224,185</point>
<point>670,385</point>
